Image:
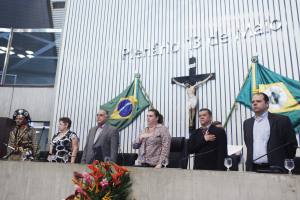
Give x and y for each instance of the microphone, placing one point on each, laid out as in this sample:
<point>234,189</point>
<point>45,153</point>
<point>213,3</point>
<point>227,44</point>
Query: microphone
<point>8,146</point>
<point>10,152</point>
<point>273,168</point>
<point>272,150</point>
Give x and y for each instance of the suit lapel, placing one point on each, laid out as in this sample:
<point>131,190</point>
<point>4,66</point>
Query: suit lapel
<point>251,131</point>
<point>93,133</point>
<point>102,134</point>
<point>271,121</point>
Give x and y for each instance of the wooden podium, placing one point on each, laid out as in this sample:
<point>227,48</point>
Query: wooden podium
<point>42,181</point>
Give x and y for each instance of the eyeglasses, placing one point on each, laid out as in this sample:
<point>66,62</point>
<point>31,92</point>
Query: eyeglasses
<point>101,115</point>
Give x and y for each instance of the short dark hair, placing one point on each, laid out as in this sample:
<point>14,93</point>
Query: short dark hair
<point>66,120</point>
<point>157,114</point>
<point>207,110</point>
<point>215,123</point>
<point>266,98</point>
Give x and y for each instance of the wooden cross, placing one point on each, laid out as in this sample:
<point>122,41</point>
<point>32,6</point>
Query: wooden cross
<point>191,83</point>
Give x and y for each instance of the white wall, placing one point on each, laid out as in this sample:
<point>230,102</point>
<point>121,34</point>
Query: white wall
<point>92,69</point>
<point>38,101</point>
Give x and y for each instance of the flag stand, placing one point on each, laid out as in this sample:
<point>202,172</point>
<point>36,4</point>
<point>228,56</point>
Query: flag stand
<point>137,75</point>
<point>254,59</point>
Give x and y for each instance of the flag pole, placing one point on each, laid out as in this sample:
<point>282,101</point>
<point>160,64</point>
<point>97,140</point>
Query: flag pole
<point>254,60</point>
<point>137,76</point>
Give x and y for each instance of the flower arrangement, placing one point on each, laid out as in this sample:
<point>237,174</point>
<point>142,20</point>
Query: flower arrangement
<point>106,181</point>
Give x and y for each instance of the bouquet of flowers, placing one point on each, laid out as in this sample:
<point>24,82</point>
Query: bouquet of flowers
<point>106,181</point>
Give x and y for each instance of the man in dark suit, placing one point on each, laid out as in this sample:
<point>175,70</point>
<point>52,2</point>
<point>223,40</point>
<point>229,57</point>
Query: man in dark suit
<point>102,141</point>
<point>209,143</point>
<point>267,134</point>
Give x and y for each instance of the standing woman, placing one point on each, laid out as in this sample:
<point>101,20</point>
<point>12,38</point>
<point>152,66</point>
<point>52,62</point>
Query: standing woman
<point>154,142</point>
<point>64,144</point>
<point>22,143</point>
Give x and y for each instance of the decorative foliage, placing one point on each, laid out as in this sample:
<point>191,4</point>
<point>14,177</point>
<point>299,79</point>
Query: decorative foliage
<point>106,181</point>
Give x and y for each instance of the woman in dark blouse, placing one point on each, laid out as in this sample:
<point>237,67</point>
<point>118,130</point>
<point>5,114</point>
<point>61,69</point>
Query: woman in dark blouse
<point>64,144</point>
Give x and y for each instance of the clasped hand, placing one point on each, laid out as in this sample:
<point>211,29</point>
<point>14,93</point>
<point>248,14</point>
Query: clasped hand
<point>208,137</point>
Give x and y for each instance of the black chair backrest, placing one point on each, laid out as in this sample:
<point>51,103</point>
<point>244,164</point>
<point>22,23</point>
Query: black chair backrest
<point>42,156</point>
<point>126,159</point>
<point>296,170</point>
<point>6,125</point>
<point>178,153</point>
<point>78,157</point>
<point>235,162</point>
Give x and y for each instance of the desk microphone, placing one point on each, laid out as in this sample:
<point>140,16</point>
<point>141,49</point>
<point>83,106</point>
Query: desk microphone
<point>9,153</point>
<point>272,150</point>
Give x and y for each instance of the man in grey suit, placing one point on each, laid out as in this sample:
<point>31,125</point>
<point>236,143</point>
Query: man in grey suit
<point>102,141</point>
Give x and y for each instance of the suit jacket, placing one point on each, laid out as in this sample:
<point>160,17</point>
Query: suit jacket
<point>106,144</point>
<point>281,134</point>
<point>208,155</point>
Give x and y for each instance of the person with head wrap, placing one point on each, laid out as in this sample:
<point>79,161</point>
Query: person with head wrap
<point>22,143</point>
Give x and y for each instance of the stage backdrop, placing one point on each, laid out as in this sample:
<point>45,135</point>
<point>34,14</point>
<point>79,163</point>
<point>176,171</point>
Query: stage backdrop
<point>105,42</point>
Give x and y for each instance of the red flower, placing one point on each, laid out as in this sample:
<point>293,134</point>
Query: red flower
<point>116,178</point>
<point>106,165</point>
<point>120,169</point>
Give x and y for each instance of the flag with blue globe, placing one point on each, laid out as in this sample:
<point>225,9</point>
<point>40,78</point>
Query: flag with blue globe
<point>128,105</point>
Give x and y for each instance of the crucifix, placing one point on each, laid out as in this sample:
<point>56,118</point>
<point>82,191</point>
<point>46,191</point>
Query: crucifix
<point>191,83</point>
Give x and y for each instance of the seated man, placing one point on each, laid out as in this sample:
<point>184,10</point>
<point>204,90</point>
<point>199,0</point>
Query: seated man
<point>269,137</point>
<point>102,141</point>
<point>22,143</point>
<point>209,143</point>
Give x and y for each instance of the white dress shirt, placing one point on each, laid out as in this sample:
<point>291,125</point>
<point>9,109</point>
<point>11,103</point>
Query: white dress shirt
<point>98,132</point>
<point>261,135</point>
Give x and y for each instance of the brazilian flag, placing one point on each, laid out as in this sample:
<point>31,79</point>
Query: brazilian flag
<point>124,108</point>
<point>283,92</point>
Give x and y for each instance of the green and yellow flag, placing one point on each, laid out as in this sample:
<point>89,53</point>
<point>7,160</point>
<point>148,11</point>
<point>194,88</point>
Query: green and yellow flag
<point>124,108</point>
<point>284,93</point>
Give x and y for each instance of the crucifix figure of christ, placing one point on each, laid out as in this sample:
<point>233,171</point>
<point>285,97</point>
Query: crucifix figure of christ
<point>191,83</point>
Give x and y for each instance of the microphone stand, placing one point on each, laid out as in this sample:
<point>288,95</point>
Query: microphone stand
<point>11,152</point>
<point>275,149</point>
<point>274,168</point>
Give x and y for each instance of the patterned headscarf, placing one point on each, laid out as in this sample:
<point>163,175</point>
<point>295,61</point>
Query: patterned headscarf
<point>22,112</point>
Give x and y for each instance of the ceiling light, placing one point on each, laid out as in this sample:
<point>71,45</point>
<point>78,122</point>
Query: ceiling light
<point>21,56</point>
<point>30,56</point>
<point>2,52</point>
<point>29,52</point>
<point>11,53</point>
<point>3,48</point>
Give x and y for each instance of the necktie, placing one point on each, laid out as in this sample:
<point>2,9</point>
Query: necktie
<point>204,130</point>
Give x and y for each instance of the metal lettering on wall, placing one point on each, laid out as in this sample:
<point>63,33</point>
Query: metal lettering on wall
<point>195,42</point>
